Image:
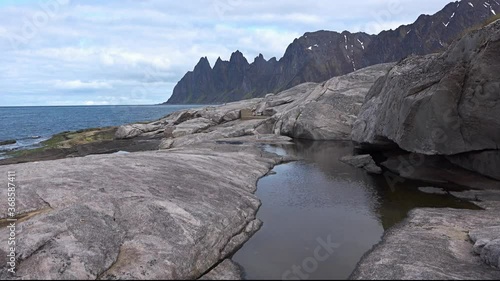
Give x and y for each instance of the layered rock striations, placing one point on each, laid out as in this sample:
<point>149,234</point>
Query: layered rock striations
<point>147,215</point>
<point>443,104</point>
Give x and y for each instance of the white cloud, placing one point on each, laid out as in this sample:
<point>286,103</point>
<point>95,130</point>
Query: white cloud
<point>96,103</point>
<point>110,49</point>
<point>79,85</point>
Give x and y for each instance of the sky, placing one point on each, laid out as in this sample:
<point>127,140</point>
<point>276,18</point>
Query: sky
<point>114,52</point>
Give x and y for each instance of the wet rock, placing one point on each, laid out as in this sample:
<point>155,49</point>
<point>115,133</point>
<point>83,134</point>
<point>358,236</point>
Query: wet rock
<point>7,142</point>
<point>432,190</point>
<point>435,169</point>
<point>432,244</point>
<point>484,162</point>
<point>479,196</point>
<point>363,161</point>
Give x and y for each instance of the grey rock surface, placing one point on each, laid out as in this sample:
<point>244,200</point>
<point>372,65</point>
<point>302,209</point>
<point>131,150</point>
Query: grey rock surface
<point>491,253</point>
<point>363,161</point>
<point>487,244</point>
<point>439,104</point>
<point>192,126</point>
<point>226,270</point>
<point>432,190</point>
<point>436,169</point>
<point>483,162</point>
<point>488,233</point>
<point>148,215</point>
<point>328,110</point>
<point>432,244</point>
<point>312,111</point>
<point>134,130</point>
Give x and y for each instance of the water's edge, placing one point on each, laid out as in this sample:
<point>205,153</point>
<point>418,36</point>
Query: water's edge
<point>321,216</point>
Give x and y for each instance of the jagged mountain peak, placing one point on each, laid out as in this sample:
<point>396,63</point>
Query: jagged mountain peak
<point>203,64</point>
<point>238,57</point>
<point>318,56</point>
<point>259,59</point>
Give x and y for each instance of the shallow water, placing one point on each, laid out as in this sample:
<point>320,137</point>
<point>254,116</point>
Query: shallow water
<point>321,201</point>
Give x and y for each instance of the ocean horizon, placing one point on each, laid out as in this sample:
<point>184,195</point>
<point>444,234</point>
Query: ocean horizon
<point>31,125</point>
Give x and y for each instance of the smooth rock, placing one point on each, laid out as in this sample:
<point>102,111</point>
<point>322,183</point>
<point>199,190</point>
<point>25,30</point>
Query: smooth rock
<point>135,216</point>
<point>487,233</point>
<point>192,126</point>
<point>232,129</point>
<point>439,104</point>
<point>324,111</point>
<point>432,244</point>
<point>134,130</point>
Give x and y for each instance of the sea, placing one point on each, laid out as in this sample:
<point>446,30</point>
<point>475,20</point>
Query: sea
<point>30,126</point>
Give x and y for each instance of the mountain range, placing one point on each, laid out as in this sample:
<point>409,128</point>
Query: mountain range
<point>321,55</point>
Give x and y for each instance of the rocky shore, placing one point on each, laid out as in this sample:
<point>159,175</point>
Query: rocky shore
<point>177,212</point>
<point>180,210</point>
<point>440,111</point>
<point>439,244</point>
<point>164,214</point>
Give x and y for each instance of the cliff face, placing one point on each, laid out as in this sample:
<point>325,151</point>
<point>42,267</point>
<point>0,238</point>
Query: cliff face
<point>441,104</point>
<point>318,56</point>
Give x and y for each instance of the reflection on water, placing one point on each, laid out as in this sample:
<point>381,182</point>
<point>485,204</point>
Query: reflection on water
<point>321,215</point>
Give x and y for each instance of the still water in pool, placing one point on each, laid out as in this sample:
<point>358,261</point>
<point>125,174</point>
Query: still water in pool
<point>320,215</point>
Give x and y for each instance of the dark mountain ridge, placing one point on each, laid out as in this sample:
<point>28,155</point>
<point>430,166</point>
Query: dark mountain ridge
<point>318,56</point>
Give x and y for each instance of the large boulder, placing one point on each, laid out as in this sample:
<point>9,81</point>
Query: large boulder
<point>323,111</point>
<point>487,244</point>
<point>316,121</point>
<point>439,104</point>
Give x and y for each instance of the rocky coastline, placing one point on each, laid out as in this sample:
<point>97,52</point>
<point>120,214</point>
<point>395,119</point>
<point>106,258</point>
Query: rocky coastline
<point>180,210</point>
